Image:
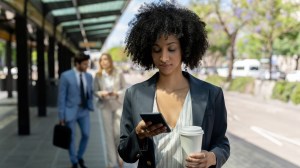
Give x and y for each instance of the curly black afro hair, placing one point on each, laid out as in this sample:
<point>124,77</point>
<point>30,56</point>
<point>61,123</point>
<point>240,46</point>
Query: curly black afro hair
<point>164,18</point>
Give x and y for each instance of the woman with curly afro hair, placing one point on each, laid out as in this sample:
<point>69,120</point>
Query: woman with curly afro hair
<point>168,37</point>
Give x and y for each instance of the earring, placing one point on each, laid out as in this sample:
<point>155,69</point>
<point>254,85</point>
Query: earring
<point>185,68</point>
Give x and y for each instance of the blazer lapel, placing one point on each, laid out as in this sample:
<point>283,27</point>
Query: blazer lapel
<point>146,100</point>
<point>146,97</point>
<point>199,97</point>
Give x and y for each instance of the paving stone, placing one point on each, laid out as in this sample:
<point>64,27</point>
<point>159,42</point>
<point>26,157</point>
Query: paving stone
<point>246,155</point>
<point>37,151</point>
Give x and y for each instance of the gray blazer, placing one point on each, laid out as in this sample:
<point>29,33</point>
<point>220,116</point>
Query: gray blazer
<point>209,112</point>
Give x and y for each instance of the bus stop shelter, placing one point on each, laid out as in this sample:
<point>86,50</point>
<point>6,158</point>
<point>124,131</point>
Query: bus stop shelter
<point>55,30</point>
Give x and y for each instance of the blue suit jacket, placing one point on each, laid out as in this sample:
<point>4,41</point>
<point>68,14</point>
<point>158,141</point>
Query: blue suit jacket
<point>69,95</point>
<point>208,110</point>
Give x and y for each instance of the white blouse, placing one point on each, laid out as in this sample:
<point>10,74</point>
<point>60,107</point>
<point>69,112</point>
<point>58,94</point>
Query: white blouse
<point>167,147</point>
<point>108,81</point>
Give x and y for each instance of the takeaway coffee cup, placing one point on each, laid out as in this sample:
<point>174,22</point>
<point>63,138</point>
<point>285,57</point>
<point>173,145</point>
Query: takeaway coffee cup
<point>191,140</point>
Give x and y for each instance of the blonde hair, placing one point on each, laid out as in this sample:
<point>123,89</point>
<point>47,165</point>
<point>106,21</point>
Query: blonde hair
<point>110,69</point>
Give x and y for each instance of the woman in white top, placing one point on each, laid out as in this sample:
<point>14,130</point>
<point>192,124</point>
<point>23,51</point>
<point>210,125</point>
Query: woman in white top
<point>165,37</point>
<point>109,86</point>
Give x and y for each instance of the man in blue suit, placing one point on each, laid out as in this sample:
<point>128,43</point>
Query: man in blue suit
<point>75,101</point>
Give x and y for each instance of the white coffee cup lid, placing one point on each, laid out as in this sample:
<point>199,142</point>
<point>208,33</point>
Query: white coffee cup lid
<point>191,130</point>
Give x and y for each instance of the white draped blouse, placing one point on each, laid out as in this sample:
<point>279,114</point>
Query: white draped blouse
<point>167,147</point>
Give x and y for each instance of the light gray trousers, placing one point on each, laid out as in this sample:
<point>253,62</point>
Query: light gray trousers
<point>111,127</point>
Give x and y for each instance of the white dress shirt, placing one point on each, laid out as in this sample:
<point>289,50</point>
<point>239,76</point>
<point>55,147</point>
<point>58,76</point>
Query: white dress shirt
<point>78,79</point>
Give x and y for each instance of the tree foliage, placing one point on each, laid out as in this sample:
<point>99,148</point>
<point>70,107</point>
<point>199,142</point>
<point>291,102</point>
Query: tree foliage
<point>2,54</point>
<point>273,19</point>
<point>288,44</point>
<point>249,47</point>
<point>251,28</point>
<point>226,18</point>
<point>118,54</point>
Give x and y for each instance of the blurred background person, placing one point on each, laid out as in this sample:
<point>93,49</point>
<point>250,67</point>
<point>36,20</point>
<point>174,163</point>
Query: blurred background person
<point>109,87</point>
<point>75,100</point>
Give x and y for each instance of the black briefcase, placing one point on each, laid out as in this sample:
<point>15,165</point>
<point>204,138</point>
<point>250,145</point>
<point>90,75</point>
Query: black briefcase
<point>62,136</point>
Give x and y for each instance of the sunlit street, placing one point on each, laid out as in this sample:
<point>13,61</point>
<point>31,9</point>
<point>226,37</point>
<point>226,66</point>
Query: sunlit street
<point>248,48</point>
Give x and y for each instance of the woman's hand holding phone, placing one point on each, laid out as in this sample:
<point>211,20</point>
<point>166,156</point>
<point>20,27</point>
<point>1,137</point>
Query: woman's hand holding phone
<point>107,94</point>
<point>103,94</point>
<point>148,129</point>
<point>113,94</point>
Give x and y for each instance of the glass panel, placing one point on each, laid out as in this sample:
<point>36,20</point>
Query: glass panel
<point>100,19</point>
<point>70,23</point>
<point>95,27</point>
<point>103,26</point>
<point>111,18</point>
<point>104,32</point>
<point>102,7</point>
<point>97,35</point>
<point>52,1</point>
<point>64,11</point>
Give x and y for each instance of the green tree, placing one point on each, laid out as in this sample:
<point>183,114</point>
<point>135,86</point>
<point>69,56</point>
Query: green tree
<point>118,54</point>
<point>2,54</point>
<point>289,45</point>
<point>230,16</point>
<point>273,18</point>
<point>34,56</point>
<point>249,47</point>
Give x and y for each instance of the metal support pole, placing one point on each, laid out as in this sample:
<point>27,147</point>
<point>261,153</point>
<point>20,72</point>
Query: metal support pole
<point>22,82</point>
<point>41,82</point>
<point>9,78</point>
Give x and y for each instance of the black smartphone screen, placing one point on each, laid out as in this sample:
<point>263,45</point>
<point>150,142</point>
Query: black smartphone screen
<point>155,118</point>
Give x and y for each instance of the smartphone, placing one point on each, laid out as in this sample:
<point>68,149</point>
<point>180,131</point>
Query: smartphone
<point>155,118</point>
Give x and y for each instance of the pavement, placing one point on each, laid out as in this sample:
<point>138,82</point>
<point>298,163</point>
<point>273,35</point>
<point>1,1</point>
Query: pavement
<point>246,155</point>
<point>36,150</point>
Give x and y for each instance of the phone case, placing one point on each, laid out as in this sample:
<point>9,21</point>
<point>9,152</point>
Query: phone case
<point>155,118</point>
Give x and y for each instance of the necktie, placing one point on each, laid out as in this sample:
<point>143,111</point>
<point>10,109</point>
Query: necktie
<point>82,93</point>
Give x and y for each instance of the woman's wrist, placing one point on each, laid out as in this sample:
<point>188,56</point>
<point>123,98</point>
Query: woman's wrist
<point>212,160</point>
<point>137,133</point>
